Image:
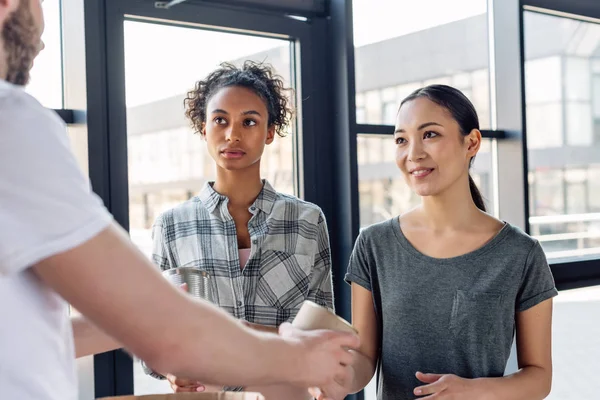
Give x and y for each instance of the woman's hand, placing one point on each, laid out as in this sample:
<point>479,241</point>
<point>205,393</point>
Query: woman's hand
<point>180,385</point>
<point>449,387</point>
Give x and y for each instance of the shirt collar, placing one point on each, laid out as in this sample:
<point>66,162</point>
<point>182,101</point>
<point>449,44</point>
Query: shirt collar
<point>264,202</point>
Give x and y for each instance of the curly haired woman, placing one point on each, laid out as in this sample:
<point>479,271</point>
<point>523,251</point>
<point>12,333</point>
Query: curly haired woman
<point>266,252</point>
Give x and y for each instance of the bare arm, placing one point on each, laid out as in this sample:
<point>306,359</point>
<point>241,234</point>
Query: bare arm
<point>261,328</point>
<point>534,353</point>
<point>162,325</point>
<point>89,339</point>
<point>365,321</point>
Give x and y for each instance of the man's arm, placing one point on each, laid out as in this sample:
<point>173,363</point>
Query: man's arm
<point>89,339</point>
<point>109,281</point>
<point>261,328</point>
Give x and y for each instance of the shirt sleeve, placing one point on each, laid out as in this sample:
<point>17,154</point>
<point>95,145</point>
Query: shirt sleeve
<point>160,247</point>
<point>359,270</point>
<point>46,204</point>
<point>537,283</point>
<point>320,288</point>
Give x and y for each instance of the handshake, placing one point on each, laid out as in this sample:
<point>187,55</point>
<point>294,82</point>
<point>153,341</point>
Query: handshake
<point>317,360</point>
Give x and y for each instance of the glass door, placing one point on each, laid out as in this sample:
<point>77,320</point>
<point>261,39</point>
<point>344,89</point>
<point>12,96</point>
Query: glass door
<point>154,57</point>
<point>167,162</point>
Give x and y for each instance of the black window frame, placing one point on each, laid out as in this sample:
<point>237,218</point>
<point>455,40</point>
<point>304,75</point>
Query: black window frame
<point>567,274</point>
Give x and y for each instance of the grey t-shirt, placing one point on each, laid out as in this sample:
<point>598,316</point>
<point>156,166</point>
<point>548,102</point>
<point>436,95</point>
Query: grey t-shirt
<point>454,315</point>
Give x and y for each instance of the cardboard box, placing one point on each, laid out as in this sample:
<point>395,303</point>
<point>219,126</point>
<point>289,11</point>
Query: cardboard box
<point>193,396</point>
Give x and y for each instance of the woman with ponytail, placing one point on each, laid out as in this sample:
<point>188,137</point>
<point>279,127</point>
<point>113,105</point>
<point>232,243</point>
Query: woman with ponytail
<point>439,292</point>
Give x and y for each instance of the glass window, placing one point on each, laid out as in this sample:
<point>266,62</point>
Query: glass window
<point>549,192</point>
<point>577,78</point>
<point>543,79</point>
<point>403,91</point>
<point>462,81</point>
<point>46,82</point>
<point>389,94</point>
<point>361,112</point>
<point>532,191</point>
<point>402,43</point>
<point>575,334</point>
<point>544,125</point>
<point>383,193</point>
<point>372,107</point>
<point>561,101</point>
<point>594,188</point>
<point>480,96</point>
<point>79,145</point>
<point>390,109</point>
<point>390,105</point>
<point>596,94</point>
<point>580,131</point>
<point>576,186</point>
<point>440,80</point>
<point>168,164</point>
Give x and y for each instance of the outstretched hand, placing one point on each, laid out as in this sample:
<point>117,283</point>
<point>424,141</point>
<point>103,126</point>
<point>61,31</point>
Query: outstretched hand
<point>448,387</point>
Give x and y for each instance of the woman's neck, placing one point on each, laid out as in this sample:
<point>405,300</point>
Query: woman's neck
<point>454,209</point>
<point>241,187</point>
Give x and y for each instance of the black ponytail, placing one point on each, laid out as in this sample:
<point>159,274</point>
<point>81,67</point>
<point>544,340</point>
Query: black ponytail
<point>476,194</point>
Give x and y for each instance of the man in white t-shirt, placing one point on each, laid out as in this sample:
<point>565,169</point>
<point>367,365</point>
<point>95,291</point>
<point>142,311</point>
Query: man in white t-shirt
<point>59,245</point>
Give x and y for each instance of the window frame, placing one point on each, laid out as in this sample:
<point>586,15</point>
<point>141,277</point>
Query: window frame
<point>571,274</point>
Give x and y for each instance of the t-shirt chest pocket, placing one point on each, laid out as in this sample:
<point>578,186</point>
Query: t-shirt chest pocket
<point>475,315</point>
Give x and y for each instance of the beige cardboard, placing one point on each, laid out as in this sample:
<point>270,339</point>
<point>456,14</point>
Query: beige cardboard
<point>313,316</point>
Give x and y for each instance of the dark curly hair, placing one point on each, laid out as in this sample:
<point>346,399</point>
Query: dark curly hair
<point>258,77</point>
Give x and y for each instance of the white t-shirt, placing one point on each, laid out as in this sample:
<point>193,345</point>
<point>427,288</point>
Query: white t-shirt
<point>46,207</point>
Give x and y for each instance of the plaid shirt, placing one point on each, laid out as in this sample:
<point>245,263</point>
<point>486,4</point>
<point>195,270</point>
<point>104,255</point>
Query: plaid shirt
<point>290,258</point>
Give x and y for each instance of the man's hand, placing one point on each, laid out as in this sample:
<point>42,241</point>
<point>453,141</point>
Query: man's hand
<point>449,387</point>
<point>339,391</point>
<point>182,385</point>
<point>322,356</point>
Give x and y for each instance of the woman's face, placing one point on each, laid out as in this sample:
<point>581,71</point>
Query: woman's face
<point>237,128</point>
<point>431,152</point>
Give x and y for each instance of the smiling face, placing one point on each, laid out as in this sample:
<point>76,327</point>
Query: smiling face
<point>237,128</point>
<point>21,41</point>
<point>431,151</point>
